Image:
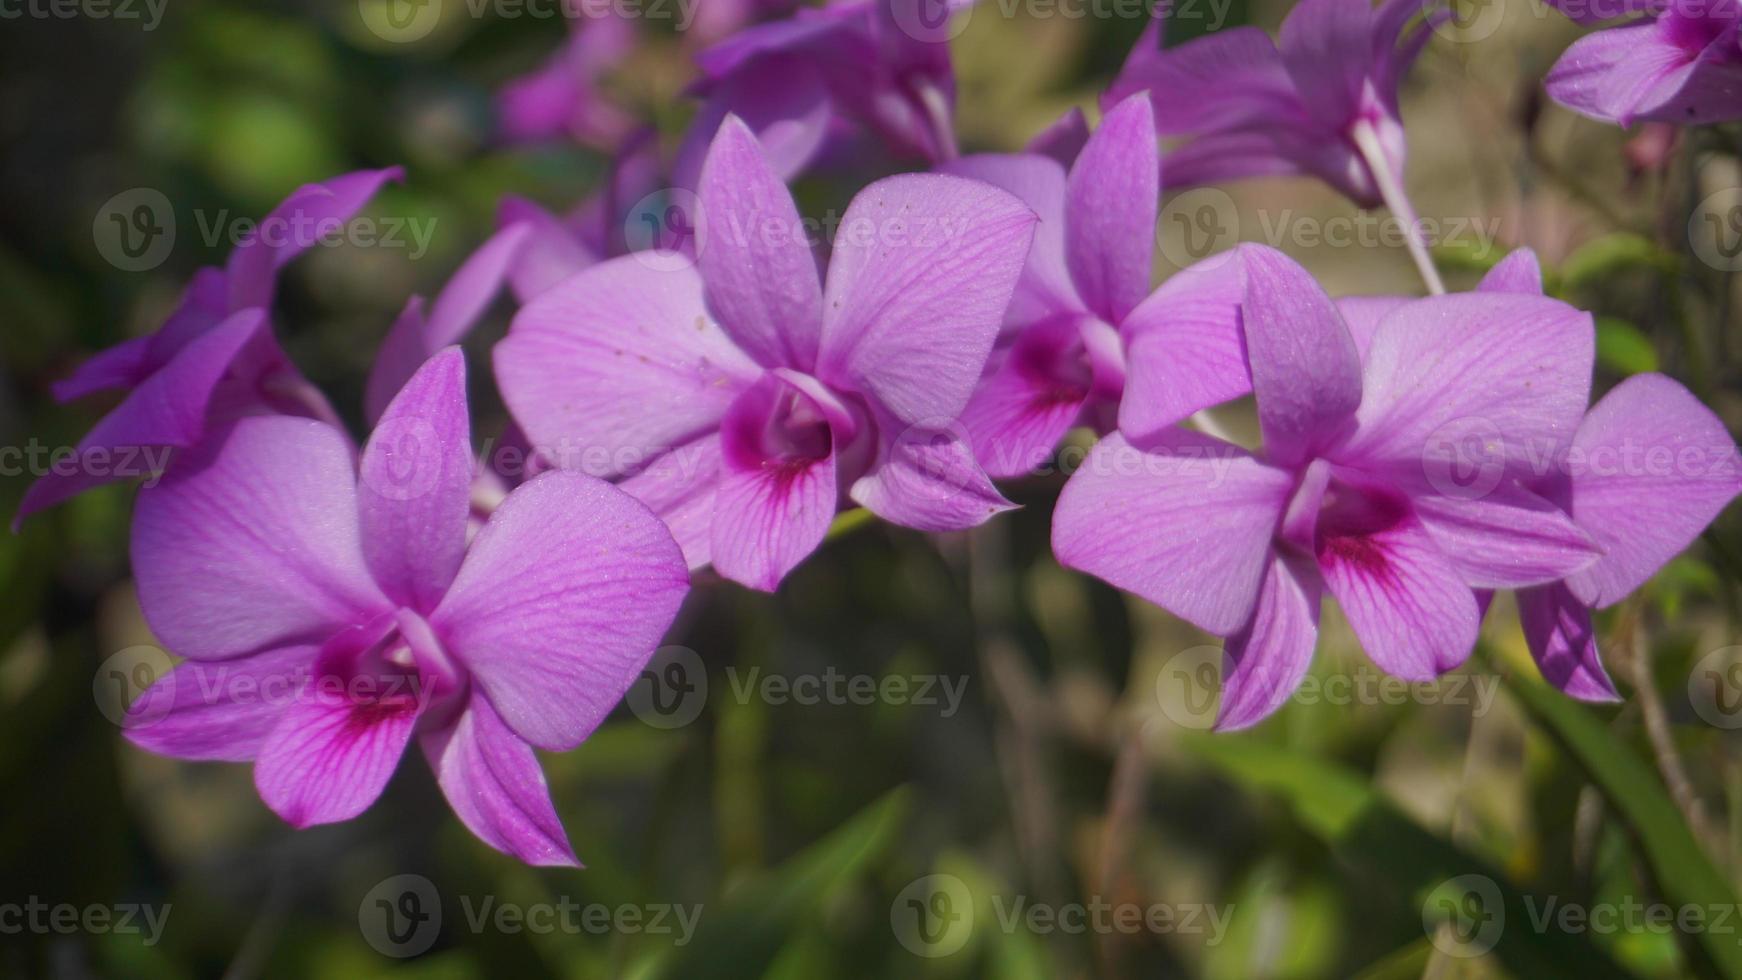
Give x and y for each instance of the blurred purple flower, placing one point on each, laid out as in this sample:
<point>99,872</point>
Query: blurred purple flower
<point>1679,63</point>
<point>329,612</point>
<point>1083,313</point>
<point>1352,493</point>
<point>739,395</point>
<point>1254,107</point>
<point>565,98</point>
<point>853,68</point>
<point>214,358</point>
<point>558,247</point>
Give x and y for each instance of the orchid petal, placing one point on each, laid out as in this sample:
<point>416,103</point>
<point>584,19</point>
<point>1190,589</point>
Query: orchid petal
<point>1185,521</point>
<point>620,362</point>
<point>415,485</point>
<point>562,598</point>
<point>1111,202</point>
<point>493,781</point>
<point>1652,468</point>
<point>1269,657</point>
<point>251,542</point>
<point>760,275</point>
<point>923,268</point>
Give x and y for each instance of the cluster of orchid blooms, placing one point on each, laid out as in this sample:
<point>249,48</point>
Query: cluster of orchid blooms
<point>716,400</point>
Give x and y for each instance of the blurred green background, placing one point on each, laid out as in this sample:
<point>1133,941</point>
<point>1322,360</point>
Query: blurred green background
<point>1379,832</point>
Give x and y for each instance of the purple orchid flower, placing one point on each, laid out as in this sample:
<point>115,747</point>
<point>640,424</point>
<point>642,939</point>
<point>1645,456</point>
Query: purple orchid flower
<point>1322,102</point>
<point>214,358</point>
<point>564,99</point>
<point>1083,311</point>
<point>1681,62</point>
<point>329,612</point>
<point>1648,469</point>
<point>739,395</point>
<point>1349,492</point>
<point>854,67</point>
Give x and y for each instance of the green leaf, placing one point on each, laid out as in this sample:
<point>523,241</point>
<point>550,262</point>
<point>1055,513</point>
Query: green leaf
<point>1604,257</point>
<point>744,935</point>
<point>1679,867</point>
<point>1623,348</point>
<point>1341,808</point>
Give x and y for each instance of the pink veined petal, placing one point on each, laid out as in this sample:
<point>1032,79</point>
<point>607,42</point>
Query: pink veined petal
<point>758,271</point>
<point>462,301</point>
<point>767,521</point>
<point>492,779</point>
<point>1363,314</point>
<point>680,487</point>
<point>311,212</point>
<point>1045,288</point>
<point>1513,369</point>
<point>1327,46</point>
<point>1505,537</point>
<point>414,489</point>
<point>1407,602</point>
<point>1020,411</point>
<point>1062,141</point>
<point>1608,74</point>
<point>1518,272</point>
<point>562,598</point>
<point>923,268</point>
<point>619,364</point>
<point>1306,372</point>
<point>552,251</point>
<point>1112,196</point>
<point>334,749</point>
<point>927,479</point>
<point>1185,522</point>
<point>219,711</point>
<point>1267,659</point>
<point>1557,626</point>
<point>251,542</point>
<point>1651,468</point>
<point>169,409</point>
<point>1185,349</point>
